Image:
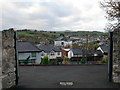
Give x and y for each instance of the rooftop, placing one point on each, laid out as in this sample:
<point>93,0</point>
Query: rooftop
<point>48,48</point>
<point>27,47</point>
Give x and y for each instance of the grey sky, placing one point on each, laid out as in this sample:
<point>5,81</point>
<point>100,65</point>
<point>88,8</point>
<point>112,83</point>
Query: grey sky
<point>53,15</point>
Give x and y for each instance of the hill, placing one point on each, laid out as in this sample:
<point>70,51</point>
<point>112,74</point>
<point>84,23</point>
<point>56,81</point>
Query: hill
<point>49,36</point>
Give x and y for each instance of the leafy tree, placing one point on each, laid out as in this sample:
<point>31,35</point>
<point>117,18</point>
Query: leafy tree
<point>45,60</point>
<point>112,8</point>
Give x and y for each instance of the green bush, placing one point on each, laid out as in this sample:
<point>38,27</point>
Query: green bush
<point>83,61</point>
<point>25,62</point>
<point>66,60</point>
<point>105,60</point>
<point>54,61</point>
<point>45,60</point>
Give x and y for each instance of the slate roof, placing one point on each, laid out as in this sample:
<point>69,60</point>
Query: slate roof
<point>48,48</point>
<point>92,52</point>
<point>88,52</point>
<point>105,49</point>
<point>99,52</point>
<point>77,51</point>
<point>27,47</point>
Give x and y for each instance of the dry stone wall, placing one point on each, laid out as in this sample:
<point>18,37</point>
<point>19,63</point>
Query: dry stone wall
<point>116,56</point>
<point>8,76</point>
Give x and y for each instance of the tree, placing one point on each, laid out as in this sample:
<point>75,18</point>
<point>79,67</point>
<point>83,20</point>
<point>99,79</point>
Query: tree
<point>112,8</point>
<point>45,60</point>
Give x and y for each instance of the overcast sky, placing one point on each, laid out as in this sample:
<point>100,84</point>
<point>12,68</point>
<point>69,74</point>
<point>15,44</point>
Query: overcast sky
<point>57,15</point>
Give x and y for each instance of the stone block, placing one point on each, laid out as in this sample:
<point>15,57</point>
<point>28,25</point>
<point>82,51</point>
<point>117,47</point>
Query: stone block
<point>0,71</point>
<point>8,43</point>
<point>8,67</point>
<point>0,83</point>
<point>8,33</point>
<point>5,82</point>
<point>8,81</point>
<point>12,76</point>
<point>116,80</point>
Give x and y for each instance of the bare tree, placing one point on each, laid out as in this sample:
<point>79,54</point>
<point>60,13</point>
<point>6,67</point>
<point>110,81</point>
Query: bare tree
<point>112,9</point>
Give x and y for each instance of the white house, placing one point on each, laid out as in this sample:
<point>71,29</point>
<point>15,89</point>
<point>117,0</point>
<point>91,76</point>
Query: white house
<point>28,53</point>
<point>50,51</point>
<point>75,53</point>
<point>62,43</point>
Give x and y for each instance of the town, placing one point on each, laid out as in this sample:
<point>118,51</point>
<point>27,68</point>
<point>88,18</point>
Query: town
<point>50,47</point>
<point>59,44</point>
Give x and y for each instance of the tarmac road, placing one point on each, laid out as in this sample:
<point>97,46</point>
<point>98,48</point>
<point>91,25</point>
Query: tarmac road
<point>83,76</point>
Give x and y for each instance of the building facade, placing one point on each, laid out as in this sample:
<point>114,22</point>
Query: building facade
<point>28,53</point>
<point>51,51</point>
<point>63,43</point>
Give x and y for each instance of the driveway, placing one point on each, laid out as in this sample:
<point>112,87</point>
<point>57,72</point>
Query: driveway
<point>83,76</point>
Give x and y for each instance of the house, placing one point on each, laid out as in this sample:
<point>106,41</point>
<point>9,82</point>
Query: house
<point>62,43</point>
<point>65,52</point>
<point>103,49</point>
<point>93,55</point>
<point>28,53</point>
<point>90,55</point>
<point>51,51</point>
<point>75,53</point>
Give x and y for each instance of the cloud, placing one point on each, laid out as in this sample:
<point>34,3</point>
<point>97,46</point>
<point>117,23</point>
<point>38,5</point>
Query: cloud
<point>53,15</point>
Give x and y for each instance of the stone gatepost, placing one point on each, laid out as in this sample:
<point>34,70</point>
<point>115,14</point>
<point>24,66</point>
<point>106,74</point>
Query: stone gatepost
<point>116,56</point>
<point>7,59</point>
<point>0,60</point>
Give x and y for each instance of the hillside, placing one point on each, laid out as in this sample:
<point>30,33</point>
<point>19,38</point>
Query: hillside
<point>49,36</point>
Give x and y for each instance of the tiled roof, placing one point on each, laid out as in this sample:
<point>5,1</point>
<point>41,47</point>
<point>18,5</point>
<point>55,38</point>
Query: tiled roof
<point>48,48</point>
<point>27,47</point>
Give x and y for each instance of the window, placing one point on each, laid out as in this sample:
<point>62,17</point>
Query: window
<point>42,54</point>
<point>62,43</point>
<point>33,54</point>
<point>52,54</point>
<point>58,53</point>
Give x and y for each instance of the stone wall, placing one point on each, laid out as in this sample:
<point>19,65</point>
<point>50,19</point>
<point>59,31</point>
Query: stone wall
<point>8,59</point>
<point>116,56</point>
<point>0,60</point>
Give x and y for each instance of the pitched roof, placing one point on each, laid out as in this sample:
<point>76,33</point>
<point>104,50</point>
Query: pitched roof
<point>77,51</point>
<point>27,47</point>
<point>66,49</point>
<point>99,52</point>
<point>88,52</point>
<point>48,48</point>
<point>105,48</point>
<point>92,52</point>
